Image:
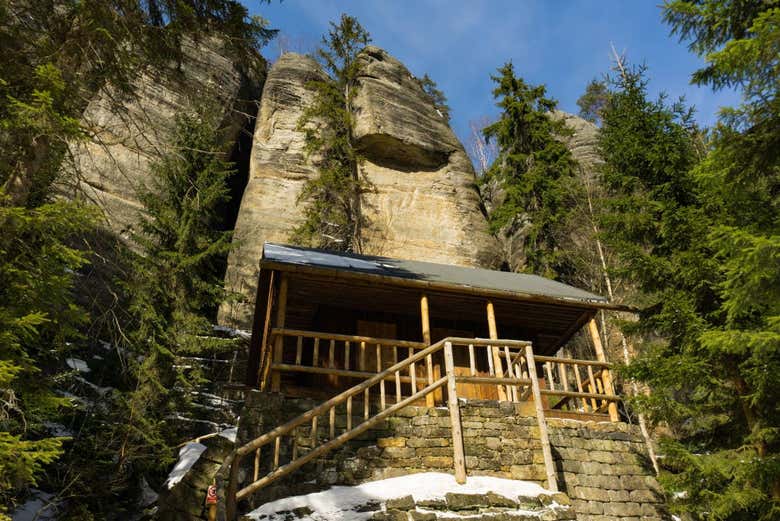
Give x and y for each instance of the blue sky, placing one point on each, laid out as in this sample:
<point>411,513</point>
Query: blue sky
<point>562,44</point>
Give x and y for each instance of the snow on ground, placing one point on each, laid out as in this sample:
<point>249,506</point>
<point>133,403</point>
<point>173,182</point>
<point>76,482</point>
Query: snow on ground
<point>230,434</point>
<point>39,508</point>
<point>188,455</point>
<point>338,503</point>
<point>77,364</point>
<point>58,429</point>
<point>232,332</point>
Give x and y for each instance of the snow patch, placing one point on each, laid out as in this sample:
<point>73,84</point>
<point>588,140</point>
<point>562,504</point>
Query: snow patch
<point>148,495</point>
<point>230,434</point>
<point>188,455</point>
<point>102,391</point>
<point>58,430</point>
<point>38,508</point>
<point>338,503</point>
<point>77,364</point>
<point>240,333</point>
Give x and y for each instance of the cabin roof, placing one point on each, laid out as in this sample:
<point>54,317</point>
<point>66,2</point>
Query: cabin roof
<point>520,285</point>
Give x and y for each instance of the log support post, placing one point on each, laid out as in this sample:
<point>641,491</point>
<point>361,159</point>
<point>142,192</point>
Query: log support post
<point>459,457</point>
<point>430,399</point>
<point>549,466</point>
<point>281,313</point>
<point>494,352</point>
<point>606,373</point>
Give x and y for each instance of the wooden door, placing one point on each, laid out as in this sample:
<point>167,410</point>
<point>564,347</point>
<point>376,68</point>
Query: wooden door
<point>377,330</point>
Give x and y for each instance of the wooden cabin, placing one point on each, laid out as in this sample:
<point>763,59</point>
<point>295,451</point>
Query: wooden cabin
<point>368,336</point>
<point>325,321</point>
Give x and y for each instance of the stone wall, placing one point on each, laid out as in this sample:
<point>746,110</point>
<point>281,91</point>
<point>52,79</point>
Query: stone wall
<point>603,467</point>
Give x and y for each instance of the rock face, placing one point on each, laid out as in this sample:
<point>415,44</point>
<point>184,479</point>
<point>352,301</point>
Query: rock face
<point>278,170</point>
<point>127,140</point>
<point>423,203</point>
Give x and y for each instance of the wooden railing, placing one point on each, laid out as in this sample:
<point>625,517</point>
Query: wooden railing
<point>512,368</point>
<point>361,391</point>
<point>582,386</point>
<point>337,355</point>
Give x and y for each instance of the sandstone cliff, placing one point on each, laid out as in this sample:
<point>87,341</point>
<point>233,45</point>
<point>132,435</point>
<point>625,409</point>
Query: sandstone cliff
<point>423,204</point>
<point>130,133</point>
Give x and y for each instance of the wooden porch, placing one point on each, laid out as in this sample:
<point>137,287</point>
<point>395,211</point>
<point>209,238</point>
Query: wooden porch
<point>369,336</point>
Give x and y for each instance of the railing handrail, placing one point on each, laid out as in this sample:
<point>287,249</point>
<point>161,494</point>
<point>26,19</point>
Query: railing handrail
<point>336,400</point>
<point>572,361</point>
<point>347,338</point>
<point>451,379</point>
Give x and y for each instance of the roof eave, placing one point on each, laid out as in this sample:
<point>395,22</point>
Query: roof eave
<point>443,286</point>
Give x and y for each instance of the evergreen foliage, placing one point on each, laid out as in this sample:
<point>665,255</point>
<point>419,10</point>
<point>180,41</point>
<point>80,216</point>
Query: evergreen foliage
<point>56,56</point>
<point>175,285</point>
<point>38,319</point>
<point>534,170</point>
<point>333,214</point>
<point>593,101</point>
<point>437,97</point>
<point>700,239</point>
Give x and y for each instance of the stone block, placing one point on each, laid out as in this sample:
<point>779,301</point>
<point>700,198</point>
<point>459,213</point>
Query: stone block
<point>457,501</point>
<point>591,494</point>
<point>427,442</point>
<point>415,515</point>
<point>493,443</point>
<point>522,457</point>
<point>652,509</point>
<point>622,509</point>
<point>401,503</point>
<point>438,462</point>
<point>390,442</point>
<point>527,472</point>
<point>497,500</point>
<point>633,482</point>
<point>601,456</point>
<point>432,504</point>
<point>618,495</point>
<point>644,496</point>
<point>433,451</point>
<point>398,452</point>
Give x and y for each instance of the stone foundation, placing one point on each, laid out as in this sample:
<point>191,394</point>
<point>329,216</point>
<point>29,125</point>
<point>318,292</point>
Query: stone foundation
<point>603,467</point>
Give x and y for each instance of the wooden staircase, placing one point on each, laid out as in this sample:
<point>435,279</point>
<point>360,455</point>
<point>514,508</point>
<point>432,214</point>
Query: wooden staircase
<point>387,387</point>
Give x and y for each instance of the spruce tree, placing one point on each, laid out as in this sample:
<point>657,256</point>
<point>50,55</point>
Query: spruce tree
<point>714,371</point>
<point>176,286</point>
<point>534,170</point>
<point>437,96</point>
<point>706,266</point>
<point>593,101</point>
<point>333,215</point>
<point>38,320</point>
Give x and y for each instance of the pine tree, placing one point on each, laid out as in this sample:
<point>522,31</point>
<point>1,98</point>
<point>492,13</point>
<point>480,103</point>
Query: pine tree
<point>38,319</point>
<point>714,371</point>
<point>534,170</point>
<point>437,97</point>
<point>333,214</point>
<point>593,101</point>
<point>175,287</point>
<point>709,290</point>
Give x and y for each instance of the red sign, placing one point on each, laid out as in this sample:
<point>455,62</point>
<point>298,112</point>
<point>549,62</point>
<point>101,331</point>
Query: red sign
<point>211,495</point>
